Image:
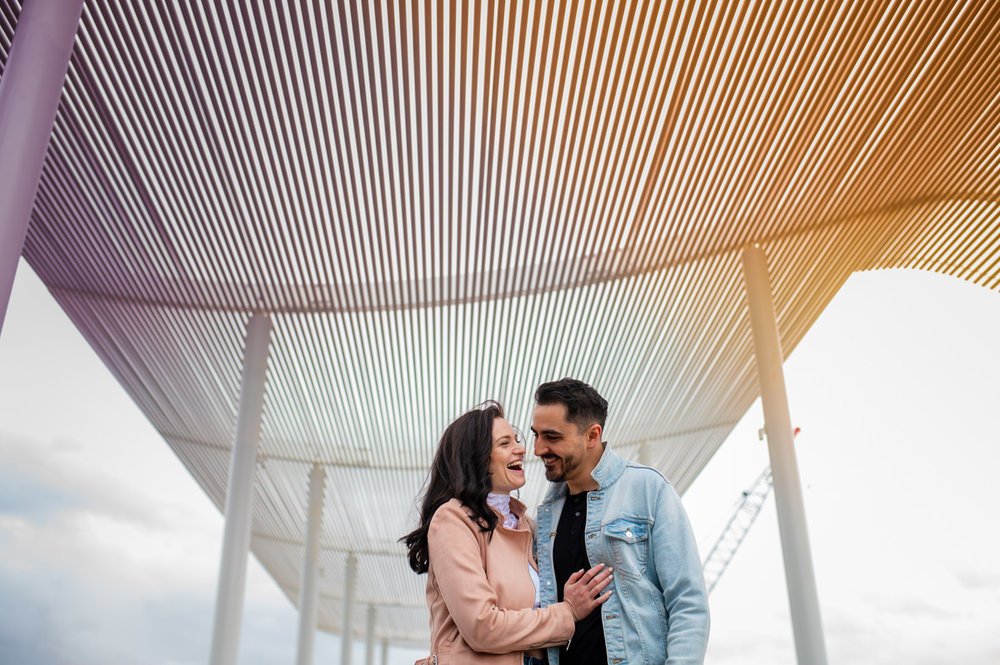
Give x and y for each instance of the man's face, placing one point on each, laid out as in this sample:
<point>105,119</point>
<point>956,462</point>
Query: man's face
<point>560,443</point>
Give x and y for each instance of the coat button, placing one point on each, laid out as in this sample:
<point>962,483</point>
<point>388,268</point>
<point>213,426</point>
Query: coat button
<point>628,533</point>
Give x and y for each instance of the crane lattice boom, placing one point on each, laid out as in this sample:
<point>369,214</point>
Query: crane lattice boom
<point>736,529</point>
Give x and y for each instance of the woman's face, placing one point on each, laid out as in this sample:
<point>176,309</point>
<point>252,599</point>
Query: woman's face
<point>507,458</point>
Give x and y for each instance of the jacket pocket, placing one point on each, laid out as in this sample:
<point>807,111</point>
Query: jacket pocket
<point>628,540</point>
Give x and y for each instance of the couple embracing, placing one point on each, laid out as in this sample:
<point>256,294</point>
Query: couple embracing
<point>608,574</point>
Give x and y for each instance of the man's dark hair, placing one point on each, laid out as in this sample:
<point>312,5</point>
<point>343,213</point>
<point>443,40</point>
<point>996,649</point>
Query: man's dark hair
<point>584,405</point>
<point>460,470</point>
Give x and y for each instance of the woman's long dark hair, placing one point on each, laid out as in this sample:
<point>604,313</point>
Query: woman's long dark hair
<point>461,469</point>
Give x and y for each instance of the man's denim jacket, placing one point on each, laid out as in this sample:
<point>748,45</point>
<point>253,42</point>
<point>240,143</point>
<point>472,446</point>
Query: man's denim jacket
<point>636,523</point>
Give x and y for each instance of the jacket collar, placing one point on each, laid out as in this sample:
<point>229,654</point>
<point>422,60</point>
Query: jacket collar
<point>608,470</point>
<point>517,507</point>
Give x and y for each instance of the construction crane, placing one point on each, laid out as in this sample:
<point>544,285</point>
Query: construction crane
<point>739,524</point>
<point>736,529</point>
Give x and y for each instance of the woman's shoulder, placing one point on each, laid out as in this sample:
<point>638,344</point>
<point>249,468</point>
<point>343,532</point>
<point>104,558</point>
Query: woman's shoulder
<point>452,524</point>
<point>451,506</point>
<point>451,511</point>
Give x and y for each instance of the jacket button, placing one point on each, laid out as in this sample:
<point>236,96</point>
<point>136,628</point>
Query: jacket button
<point>547,583</point>
<point>628,533</point>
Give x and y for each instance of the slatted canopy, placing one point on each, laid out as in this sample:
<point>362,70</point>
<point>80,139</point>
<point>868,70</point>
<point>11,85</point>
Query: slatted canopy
<point>442,203</point>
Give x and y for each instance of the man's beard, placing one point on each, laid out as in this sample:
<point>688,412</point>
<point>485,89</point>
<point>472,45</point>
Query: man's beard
<point>557,473</point>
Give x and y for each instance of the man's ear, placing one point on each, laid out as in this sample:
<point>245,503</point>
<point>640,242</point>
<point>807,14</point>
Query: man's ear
<point>594,435</point>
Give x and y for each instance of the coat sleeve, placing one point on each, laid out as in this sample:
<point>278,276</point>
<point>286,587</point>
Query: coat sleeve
<point>678,568</point>
<point>455,555</point>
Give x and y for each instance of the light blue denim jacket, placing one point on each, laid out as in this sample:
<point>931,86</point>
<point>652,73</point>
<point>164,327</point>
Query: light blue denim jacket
<point>658,613</point>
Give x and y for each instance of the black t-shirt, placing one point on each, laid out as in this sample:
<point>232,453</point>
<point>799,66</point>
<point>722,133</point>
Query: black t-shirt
<point>569,555</point>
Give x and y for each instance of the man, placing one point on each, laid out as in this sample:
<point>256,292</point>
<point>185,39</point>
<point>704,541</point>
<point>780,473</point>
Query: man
<point>601,508</point>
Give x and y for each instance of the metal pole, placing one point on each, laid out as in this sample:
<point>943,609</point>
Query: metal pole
<point>645,454</point>
<point>370,637</point>
<point>239,496</point>
<point>802,597</point>
<point>350,577</point>
<point>309,591</point>
<point>385,652</point>
<point>29,98</point>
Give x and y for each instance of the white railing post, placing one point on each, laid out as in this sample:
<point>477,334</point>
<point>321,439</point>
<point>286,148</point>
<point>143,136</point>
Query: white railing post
<point>370,637</point>
<point>350,578</point>
<point>309,589</point>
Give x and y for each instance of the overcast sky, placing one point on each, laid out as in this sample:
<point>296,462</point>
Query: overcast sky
<point>109,551</point>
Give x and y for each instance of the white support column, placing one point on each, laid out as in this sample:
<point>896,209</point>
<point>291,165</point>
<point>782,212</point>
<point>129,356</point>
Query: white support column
<point>350,577</point>
<point>29,98</point>
<point>370,637</point>
<point>239,495</point>
<point>645,454</point>
<point>385,652</point>
<point>803,599</point>
<point>309,589</point>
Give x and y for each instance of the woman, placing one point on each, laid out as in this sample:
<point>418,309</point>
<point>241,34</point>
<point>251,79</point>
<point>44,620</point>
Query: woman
<point>475,543</point>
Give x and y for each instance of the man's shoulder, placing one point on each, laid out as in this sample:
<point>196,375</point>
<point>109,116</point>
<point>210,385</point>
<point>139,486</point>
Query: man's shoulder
<point>640,485</point>
<point>642,474</point>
